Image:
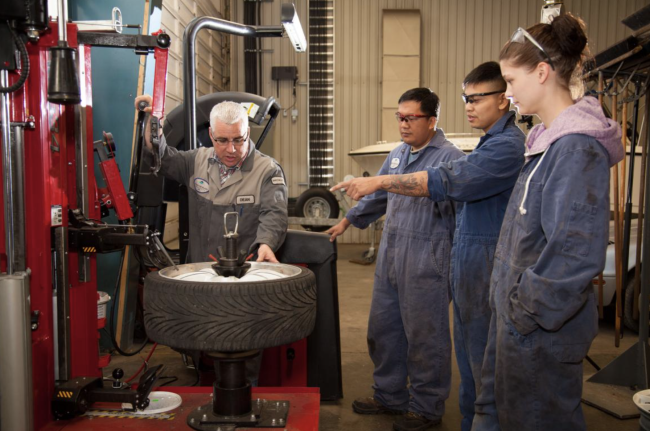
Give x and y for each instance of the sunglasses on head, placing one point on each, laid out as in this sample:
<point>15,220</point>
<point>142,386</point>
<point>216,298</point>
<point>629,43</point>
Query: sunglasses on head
<point>520,35</point>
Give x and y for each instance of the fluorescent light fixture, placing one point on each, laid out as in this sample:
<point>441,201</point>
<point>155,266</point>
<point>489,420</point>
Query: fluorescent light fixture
<point>292,27</point>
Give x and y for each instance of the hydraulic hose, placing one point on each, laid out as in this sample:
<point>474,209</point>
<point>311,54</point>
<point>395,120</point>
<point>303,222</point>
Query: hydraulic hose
<point>25,63</point>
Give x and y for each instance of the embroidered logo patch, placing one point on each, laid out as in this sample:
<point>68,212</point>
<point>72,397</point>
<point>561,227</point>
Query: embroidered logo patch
<point>245,199</point>
<point>277,181</point>
<point>201,185</point>
<point>394,163</point>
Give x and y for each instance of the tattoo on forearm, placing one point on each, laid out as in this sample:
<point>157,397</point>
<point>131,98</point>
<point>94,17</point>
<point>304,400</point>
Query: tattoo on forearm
<point>408,185</point>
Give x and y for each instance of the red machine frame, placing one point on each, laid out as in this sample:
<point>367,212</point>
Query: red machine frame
<point>51,180</point>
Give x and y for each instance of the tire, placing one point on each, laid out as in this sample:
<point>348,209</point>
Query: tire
<point>317,202</point>
<point>628,306</point>
<point>229,316</point>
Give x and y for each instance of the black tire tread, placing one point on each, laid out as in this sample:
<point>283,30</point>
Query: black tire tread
<point>240,316</point>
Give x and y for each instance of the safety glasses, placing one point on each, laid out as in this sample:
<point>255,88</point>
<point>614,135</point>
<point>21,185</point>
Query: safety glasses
<point>409,118</point>
<point>520,36</point>
<point>470,98</point>
<point>237,142</point>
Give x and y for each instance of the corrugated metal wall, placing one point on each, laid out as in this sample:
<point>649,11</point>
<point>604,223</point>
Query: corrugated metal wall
<point>290,137</point>
<point>213,60</point>
<point>456,36</point>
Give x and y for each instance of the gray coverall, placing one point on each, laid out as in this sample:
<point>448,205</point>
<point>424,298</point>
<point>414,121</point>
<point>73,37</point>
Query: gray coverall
<point>257,192</point>
<point>408,328</point>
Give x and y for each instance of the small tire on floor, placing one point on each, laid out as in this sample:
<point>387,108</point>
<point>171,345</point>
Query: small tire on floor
<point>229,317</point>
<point>628,305</point>
<point>317,197</point>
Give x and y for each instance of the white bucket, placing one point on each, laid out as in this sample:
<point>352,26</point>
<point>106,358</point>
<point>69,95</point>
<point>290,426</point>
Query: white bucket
<point>642,401</point>
<point>101,304</point>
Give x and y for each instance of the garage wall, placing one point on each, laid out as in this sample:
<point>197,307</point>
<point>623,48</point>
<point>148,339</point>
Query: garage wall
<point>212,48</point>
<point>456,36</point>
<point>290,137</point>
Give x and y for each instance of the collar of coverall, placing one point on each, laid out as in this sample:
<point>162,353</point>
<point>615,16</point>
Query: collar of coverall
<point>250,157</point>
<point>437,141</point>
<point>502,123</point>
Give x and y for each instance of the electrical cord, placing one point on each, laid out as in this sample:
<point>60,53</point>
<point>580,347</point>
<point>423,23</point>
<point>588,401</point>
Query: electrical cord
<point>145,363</point>
<point>25,60</point>
<point>111,325</point>
<point>198,373</point>
<point>172,380</point>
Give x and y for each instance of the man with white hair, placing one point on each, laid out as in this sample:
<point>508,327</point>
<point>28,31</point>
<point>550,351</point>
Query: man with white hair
<point>229,176</point>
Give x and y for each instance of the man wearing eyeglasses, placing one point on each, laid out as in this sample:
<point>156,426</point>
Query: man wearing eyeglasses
<point>408,328</point>
<point>483,180</point>
<point>229,176</point>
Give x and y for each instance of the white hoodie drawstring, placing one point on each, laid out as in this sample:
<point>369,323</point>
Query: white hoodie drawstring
<point>522,210</point>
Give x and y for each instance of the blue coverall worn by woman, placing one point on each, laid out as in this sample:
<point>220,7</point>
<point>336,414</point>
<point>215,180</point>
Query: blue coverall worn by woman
<point>553,240</point>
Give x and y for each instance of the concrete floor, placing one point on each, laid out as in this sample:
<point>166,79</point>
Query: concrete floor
<point>355,290</point>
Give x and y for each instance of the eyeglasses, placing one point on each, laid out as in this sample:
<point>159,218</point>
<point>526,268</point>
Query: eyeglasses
<point>470,98</point>
<point>520,35</point>
<point>237,142</point>
<point>409,118</point>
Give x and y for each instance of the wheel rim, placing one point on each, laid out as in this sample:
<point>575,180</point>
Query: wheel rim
<point>317,207</point>
<point>203,273</point>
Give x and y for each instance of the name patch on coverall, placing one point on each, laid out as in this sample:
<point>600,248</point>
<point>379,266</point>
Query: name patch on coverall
<point>394,163</point>
<point>245,200</point>
<point>277,181</point>
<point>201,185</point>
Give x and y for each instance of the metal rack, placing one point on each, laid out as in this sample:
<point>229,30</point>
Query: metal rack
<point>623,74</point>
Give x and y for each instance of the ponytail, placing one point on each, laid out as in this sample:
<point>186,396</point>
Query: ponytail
<point>565,41</point>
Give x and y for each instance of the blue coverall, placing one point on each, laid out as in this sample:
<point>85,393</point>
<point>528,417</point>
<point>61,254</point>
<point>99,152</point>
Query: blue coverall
<point>408,327</point>
<point>483,180</point>
<point>544,314</point>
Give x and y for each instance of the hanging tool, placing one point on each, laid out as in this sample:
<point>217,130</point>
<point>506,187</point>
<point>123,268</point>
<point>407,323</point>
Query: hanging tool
<point>113,196</point>
<point>640,221</point>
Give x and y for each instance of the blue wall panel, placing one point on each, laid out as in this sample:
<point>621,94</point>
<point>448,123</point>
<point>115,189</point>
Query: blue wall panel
<point>114,86</point>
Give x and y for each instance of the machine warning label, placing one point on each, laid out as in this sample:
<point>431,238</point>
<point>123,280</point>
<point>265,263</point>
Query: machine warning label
<point>129,415</point>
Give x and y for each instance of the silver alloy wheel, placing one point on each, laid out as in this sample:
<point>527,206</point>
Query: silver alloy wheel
<point>203,273</point>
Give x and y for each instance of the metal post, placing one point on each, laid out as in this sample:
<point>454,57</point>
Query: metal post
<point>8,173</point>
<point>62,8</point>
<point>81,153</point>
<point>16,389</point>
<point>62,318</point>
<point>189,56</point>
<point>628,198</point>
<point>18,153</point>
<point>645,276</point>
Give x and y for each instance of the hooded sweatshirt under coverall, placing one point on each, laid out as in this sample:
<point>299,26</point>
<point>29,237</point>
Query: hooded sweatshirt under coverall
<point>552,244</point>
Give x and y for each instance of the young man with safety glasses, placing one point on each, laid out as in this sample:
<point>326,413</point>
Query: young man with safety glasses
<point>408,328</point>
<point>483,180</point>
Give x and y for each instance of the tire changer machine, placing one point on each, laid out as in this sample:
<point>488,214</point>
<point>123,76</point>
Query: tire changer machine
<point>51,223</point>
